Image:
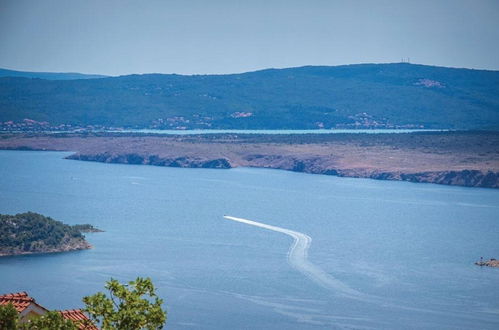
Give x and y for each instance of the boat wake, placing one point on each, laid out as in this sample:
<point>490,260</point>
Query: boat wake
<point>298,259</point>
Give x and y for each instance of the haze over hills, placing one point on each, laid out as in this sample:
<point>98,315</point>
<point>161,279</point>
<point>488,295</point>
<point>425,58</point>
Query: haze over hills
<point>48,75</point>
<point>350,96</point>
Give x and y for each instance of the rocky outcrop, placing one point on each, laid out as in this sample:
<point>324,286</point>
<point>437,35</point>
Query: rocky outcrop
<point>454,158</point>
<point>67,244</point>
<point>313,165</point>
<point>467,178</point>
<point>489,263</point>
<point>189,162</point>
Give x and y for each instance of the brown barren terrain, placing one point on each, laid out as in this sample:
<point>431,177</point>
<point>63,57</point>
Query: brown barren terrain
<point>455,158</point>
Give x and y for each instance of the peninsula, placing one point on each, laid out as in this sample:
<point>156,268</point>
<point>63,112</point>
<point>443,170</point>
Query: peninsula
<point>464,158</point>
<point>28,233</point>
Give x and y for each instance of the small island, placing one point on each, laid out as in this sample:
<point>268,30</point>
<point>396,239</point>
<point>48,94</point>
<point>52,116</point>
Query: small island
<point>489,263</point>
<point>28,233</point>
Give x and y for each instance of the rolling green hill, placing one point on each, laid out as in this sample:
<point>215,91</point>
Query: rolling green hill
<point>366,95</point>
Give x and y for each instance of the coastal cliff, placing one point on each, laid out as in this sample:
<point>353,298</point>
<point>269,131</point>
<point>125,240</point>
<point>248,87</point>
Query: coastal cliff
<point>467,178</point>
<point>136,159</point>
<point>468,159</point>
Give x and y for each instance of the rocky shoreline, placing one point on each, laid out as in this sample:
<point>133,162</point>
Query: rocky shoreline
<point>135,159</point>
<point>489,263</point>
<point>467,178</point>
<point>468,159</point>
<point>33,233</point>
<point>69,244</point>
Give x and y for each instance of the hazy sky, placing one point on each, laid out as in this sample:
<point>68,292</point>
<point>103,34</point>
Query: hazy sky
<point>223,36</point>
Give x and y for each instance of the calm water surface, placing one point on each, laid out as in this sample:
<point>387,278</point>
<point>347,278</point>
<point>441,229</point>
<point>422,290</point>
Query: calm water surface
<point>407,248</point>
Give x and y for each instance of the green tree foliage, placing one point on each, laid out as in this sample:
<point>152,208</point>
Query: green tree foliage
<point>400,94</point>
<point>33,232</point>
<point>9,320</point>
<point>129,306</point>
<point>50,321</point>
<point>8,317</point>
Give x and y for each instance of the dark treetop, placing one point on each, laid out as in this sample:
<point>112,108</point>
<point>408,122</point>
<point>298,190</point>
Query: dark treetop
<point>30,232</point>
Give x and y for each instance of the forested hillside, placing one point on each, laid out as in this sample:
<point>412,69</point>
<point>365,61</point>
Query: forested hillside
<point>352,96</point>
<point>34,233</point>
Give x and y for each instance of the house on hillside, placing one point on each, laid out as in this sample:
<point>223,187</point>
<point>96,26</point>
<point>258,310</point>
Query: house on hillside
<point>28,308</point>
<point>24,305</point>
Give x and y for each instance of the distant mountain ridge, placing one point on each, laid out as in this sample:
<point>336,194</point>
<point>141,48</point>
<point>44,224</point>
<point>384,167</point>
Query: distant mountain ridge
<point>349,96</point>
<point>48,75</point>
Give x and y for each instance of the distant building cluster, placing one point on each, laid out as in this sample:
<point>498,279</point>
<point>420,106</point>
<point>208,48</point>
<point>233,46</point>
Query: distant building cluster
<point>361,120</point>
<point>241,114</point>
<point>364,120</point>
<point>182,123</point>
<point>429,83</point>
<point>30,125</point>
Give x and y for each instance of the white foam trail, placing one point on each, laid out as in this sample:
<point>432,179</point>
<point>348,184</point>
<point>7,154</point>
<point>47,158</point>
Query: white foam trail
<point>298,259</point>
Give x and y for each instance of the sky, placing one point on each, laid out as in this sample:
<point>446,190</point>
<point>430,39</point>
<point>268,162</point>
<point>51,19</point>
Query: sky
<point>116,37</point>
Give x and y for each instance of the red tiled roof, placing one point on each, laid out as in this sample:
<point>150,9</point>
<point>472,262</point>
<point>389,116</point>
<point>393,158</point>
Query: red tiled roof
<point>80,319</point>
<point>20,300</point>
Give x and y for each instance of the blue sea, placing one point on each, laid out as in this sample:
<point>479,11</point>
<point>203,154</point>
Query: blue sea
<point>406,250</point>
